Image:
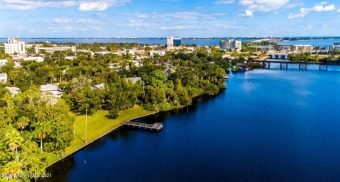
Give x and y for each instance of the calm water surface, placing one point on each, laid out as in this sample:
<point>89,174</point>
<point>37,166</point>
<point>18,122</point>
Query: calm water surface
<point>269,125</point>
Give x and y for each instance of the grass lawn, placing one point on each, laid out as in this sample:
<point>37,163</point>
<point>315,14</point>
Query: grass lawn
<point>98,124</point>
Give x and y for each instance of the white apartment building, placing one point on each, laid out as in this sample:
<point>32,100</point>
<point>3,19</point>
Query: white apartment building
<point>303,48</point>
<point>54,49</point>
<point>170,42</point>
<point>15,46</point>
<point>231,45</point>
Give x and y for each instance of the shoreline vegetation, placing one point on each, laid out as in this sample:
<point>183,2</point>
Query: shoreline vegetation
<point>38,128</point>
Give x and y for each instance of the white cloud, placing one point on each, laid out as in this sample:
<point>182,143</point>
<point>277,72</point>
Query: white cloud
<point>87,21</point>
<point>93,6</point>
<point>139,23</point>
<point>179,27</point>
<point>318,8</point>
<point>62,20</point>
<point>84,5</point>
<point>321,8</point>
<point>338,11</point>
<point>224,2</point>
<point>248,13</point>
<point>180,15</point>
<point>262,5</point>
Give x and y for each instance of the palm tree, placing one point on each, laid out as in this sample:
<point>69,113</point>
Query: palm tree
<point>13,140</point>
<point>22,123</point>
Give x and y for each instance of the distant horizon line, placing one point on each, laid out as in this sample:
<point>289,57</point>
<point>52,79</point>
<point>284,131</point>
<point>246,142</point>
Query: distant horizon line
<point>242,37</point>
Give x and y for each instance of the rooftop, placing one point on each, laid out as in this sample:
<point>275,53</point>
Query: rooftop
<point>3,75</point>
<point>49,87</point>
<point>134,79</point>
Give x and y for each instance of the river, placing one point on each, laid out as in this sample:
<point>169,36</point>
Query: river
<point>269,125</point>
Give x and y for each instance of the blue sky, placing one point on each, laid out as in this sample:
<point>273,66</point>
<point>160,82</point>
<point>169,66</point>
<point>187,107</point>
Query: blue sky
<point>161,18</point>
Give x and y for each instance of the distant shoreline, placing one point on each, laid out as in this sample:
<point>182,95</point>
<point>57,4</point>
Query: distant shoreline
<point>189,38</point>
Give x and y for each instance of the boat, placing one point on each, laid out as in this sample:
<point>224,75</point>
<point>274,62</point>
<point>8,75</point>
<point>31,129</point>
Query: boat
<point>225,76</point>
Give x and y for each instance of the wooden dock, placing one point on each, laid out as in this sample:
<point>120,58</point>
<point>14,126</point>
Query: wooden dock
<point>155,126</point>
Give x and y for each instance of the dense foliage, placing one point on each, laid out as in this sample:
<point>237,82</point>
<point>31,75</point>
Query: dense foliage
<point>34,132</point>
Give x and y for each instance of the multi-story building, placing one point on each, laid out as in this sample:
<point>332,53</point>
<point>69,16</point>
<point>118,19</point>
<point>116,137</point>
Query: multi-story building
<point>171,42</point>
<point>15,46</point>
<point>231,45</point>
<point>54,49</point>
<point>177,41</point>
<point>303,48</point>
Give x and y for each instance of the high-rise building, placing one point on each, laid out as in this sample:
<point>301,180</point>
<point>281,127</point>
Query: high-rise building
<point>171,41</point>
<point>231,45</point>
<point>177,41</point>
<point>15,46</point>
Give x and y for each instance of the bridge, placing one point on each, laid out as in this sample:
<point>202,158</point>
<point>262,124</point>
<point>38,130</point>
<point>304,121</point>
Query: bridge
<point>323,66</point>
<point>145,126</point>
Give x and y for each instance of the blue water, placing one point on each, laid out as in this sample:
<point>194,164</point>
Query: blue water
<point>198,42</point>
<point>314,42</point>
<point>269,125</point>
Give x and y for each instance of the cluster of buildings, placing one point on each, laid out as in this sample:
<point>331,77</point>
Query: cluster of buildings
<point>231,45</point>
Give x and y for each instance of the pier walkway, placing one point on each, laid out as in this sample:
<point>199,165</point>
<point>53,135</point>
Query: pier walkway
<point>155,126</point>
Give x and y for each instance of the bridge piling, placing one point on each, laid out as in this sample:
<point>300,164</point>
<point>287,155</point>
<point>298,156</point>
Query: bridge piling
<point>302,66</point>
<point>323,67</point>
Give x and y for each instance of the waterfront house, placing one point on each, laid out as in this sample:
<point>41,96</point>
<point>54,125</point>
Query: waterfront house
<point>3,77</point>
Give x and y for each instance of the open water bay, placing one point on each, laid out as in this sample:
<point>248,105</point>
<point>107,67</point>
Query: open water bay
<point>269,125</point>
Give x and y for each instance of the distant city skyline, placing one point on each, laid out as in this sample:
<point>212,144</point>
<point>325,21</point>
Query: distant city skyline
<point>162,18</point>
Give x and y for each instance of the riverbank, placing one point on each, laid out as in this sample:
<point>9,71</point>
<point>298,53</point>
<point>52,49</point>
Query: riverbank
<point>98,126</point>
